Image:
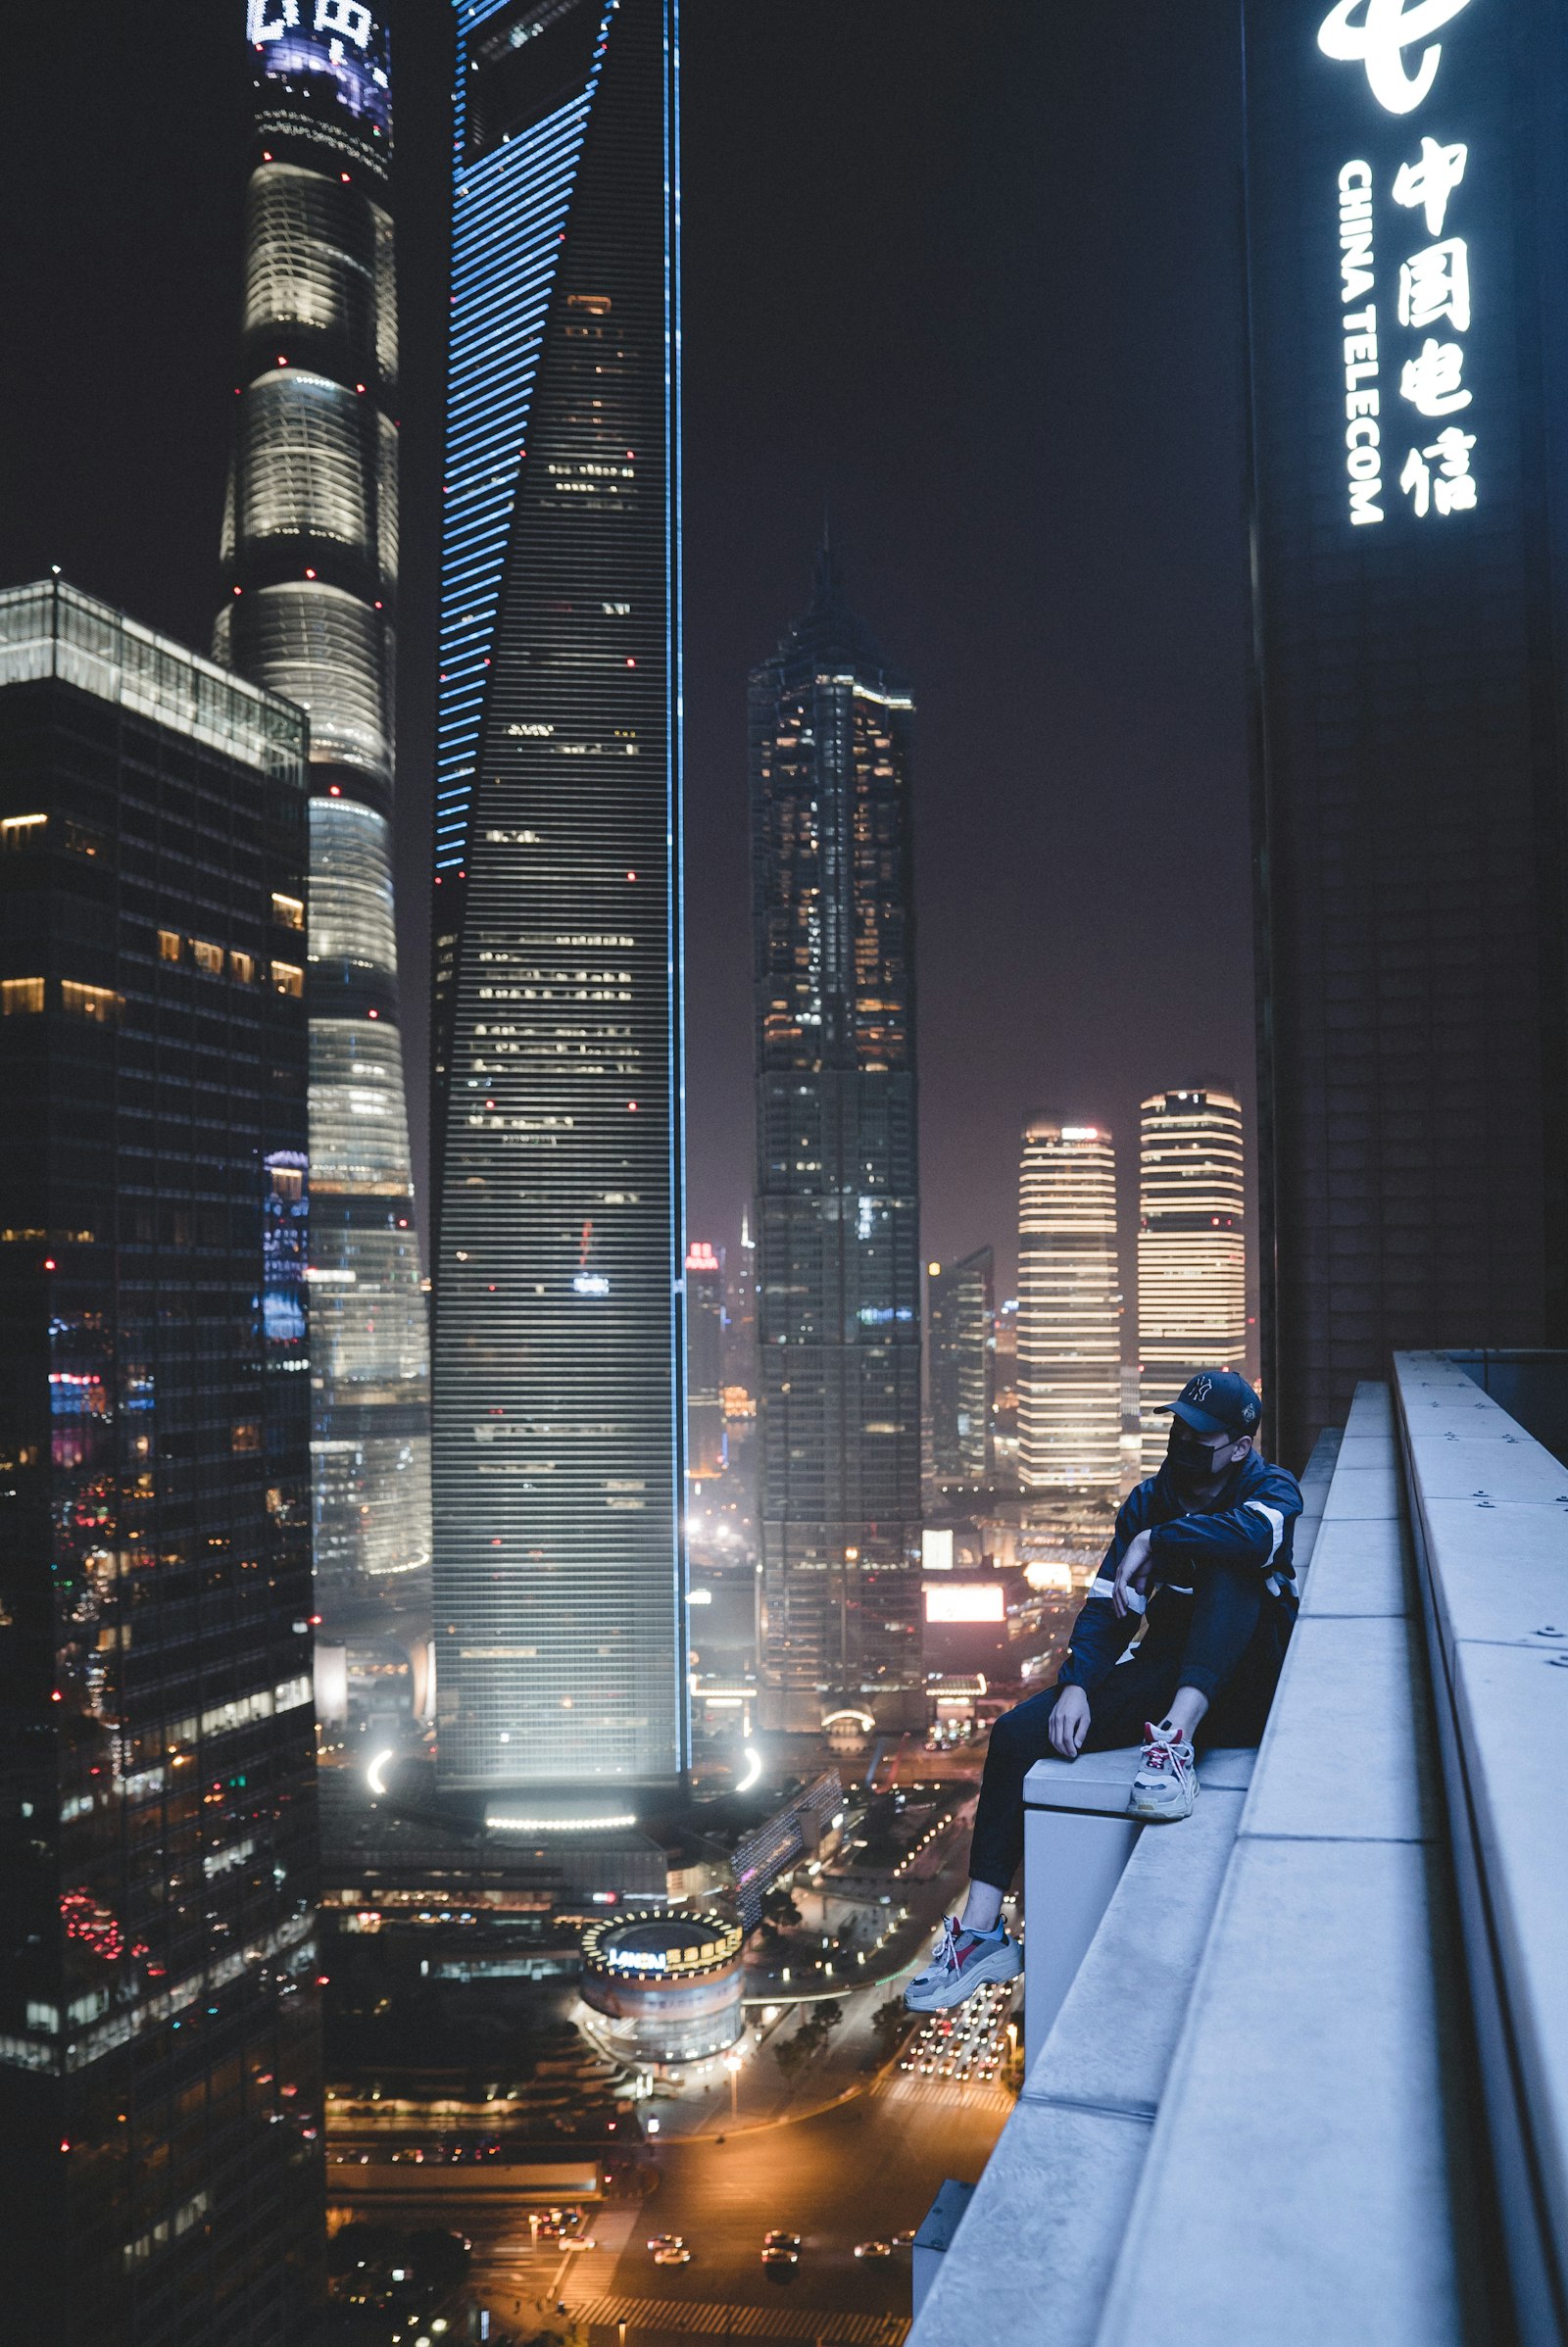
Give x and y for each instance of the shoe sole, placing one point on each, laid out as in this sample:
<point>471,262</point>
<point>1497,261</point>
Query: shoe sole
<point>1160,1814</point>
<point>1006,1964</point>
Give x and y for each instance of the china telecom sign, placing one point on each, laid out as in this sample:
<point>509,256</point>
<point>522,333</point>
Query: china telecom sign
<point>1406,307</point>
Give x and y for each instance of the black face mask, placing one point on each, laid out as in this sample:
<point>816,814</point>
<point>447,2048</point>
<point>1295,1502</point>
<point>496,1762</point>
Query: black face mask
<point>1191,1461</point>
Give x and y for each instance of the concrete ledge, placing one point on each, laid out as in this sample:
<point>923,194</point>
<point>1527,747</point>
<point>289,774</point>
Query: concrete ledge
<point>1360,1566</point>
<point>1099,1783</point>
<point>1034,2253</point>
<point>1316,1477</point>
<point>1351,1710</point>
<point>1036,2250</point>
<point>1490,1513</point>
<point>1300,2188</point>
<point>1309,2175</point>
<point>1112,2044</point>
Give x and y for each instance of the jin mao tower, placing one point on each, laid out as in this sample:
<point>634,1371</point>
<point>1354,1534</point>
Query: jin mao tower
<point>838,1235</point>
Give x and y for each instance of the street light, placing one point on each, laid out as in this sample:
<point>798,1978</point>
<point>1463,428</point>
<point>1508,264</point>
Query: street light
<point>732,2063</point>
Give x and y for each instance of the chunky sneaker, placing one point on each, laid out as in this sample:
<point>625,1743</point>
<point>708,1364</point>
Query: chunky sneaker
<point>962,1962</point>
<point>1166,1785</point>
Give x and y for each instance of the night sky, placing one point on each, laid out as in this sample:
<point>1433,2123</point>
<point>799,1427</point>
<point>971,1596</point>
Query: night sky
<point>968,276</point>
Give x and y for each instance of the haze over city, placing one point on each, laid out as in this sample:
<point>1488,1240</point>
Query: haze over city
<point>784,1197</point>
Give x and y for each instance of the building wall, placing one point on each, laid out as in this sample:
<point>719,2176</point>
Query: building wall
<point>706,1445</point>
<point>837,1216</point>
<point>310,585</point>
<point>558,1328</point>
<point>961,1302</point>
<point>160,2091</point>
<point>1069,1311</point>
<point>1408,449</point>
<point>1191,1248</point>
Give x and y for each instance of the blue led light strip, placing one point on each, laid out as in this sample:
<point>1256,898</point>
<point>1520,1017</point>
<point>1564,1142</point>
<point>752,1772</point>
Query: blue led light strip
<point>510,215</point>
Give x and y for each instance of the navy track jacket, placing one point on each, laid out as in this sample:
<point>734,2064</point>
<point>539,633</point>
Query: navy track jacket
<point>1251,1520</point>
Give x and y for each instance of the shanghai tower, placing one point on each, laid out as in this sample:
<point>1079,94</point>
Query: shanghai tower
<point>310,572</point>
<point>558,1147</point>
<point>838,1211</point>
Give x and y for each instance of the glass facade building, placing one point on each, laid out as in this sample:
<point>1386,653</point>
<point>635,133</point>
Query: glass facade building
<point>1408,406</point>
<point>558,1340</point>
<point>310,558</point>
<point>160,2090</point>
<point>837,1215</point>
<point>961,1374</point>
<point>1069,1312</point>
<point>1191,1248</point>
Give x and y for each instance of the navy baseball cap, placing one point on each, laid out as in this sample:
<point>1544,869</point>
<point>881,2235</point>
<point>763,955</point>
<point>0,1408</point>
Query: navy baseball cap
<point>1219,1402</point>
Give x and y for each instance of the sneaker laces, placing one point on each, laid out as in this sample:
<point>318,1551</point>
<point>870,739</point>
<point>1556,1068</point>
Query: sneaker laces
<point>1160,1751</point>
<point>944,1955</point>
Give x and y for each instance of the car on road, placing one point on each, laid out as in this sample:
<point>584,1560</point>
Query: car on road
<point>781,2253</point>
<point>658,2242</point>
<point>677,2254</point>
<point>873,2249</point>
<point>579,2241</point>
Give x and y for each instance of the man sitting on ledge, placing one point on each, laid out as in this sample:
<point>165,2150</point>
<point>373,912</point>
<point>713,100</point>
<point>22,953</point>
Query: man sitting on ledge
<point>1202,1551</point>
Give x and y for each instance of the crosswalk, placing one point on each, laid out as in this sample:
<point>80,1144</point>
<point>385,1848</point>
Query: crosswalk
<point>949,2094</point>
<point>685,2316</point>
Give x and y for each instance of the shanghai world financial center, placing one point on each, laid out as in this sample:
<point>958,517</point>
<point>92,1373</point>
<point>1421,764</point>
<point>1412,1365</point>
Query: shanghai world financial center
<point>557,1144</point>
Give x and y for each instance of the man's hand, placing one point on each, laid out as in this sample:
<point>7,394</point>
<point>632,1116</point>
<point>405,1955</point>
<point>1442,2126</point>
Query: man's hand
<point>1132,1573</point>
<point>1069,1722</point>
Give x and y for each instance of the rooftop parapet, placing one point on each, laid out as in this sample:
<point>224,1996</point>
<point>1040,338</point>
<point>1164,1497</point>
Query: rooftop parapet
<point>48,629</point>
<point>1310,2080</point>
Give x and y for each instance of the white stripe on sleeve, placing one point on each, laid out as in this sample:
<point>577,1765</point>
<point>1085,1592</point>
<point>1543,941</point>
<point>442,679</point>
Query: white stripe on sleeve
<point>1277,1524</point>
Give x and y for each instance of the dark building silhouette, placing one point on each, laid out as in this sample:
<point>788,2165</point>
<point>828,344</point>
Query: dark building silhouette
<point>310,558</point>
<point>160,2091</point>
<point>837,1218</point>
<point>706,1330</point>
<point>1409,402</point>
<point>560,1372</point>
<point>961,1371</point>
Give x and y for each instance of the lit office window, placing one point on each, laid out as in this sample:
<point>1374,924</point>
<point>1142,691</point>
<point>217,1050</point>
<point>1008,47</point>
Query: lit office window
<point>288,978</point>
<point>288,911</point>
<point>207,957</point>
<point>18,996</point>
<point>97,1003</point>
<point>242,966</point>
<point>170,945</point>
<point>22,831</point>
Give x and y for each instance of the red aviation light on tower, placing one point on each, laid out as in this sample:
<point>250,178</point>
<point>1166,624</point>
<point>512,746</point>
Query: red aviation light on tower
<point>700,1256</point>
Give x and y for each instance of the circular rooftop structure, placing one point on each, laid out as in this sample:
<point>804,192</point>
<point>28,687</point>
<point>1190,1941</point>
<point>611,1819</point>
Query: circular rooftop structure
<point>668,1980</point>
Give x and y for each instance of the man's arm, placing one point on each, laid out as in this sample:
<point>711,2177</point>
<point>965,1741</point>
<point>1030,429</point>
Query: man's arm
<point>1099,1636</point>
<point>1254,1532</point>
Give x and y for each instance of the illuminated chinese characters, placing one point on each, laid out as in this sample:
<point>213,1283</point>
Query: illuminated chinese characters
<point>1434,293</point>
<point>338,19</point>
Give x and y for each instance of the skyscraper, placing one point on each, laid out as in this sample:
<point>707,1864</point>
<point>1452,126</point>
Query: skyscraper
<point>558,1143</point>
<point>704,1359</point>
<point>1409,406</point>
<point>310,571</point>
<point>1191,1248</point>
<point>960,1305</point>
<point>160,2089</point>
<point>1069,1312</point>
<point>837,1225</point>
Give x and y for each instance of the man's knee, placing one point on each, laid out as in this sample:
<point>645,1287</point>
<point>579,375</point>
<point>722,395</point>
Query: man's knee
<point>1019,1736</point>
